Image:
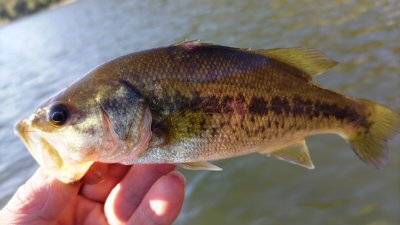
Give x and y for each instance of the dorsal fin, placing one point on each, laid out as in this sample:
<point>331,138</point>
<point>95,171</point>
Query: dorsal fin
<point>310,61</point>
<point>186,43</point>
<point>296,153</point>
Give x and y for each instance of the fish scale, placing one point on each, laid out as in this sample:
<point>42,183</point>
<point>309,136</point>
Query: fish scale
<point>236,127</point>
<point>193,102</point>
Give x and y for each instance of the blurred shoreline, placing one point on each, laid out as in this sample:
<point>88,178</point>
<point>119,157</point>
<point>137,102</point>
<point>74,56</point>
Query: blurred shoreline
<point>11,10</point>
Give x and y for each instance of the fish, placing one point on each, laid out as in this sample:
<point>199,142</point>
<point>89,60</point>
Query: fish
<point>193,102</point>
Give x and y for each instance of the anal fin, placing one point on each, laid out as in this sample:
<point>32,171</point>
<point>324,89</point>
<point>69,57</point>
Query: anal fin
<point>200,166</point>
<point>296,153</point>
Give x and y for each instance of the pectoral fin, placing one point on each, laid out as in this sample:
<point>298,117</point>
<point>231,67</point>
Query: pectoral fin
<point>296,153</point>
<point>200,166</point>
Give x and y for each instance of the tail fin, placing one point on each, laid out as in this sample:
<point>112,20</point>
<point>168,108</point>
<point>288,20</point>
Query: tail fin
<point>370,143</point>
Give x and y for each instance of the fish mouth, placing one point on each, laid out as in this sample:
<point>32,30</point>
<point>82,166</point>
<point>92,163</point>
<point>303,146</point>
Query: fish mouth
<point>47,156</point>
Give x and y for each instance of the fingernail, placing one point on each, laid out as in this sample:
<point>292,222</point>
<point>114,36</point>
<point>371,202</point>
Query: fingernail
<point>179,175</point>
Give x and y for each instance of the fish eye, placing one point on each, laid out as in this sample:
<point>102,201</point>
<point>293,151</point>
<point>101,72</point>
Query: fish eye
<point>58,114</point>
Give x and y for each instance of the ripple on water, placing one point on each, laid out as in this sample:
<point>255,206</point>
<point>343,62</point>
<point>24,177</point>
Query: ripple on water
<point>43,53</point>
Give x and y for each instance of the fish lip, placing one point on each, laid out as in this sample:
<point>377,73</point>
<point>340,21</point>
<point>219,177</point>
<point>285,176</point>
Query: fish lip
<point>46,154</point>
<point>21,129</point>
<point>35,143</point>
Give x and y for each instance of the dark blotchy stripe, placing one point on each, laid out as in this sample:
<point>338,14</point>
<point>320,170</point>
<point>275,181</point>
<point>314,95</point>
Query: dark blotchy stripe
<point>280,105</point>
<point>330,110</point>
<point>211,105</point>
<point>298,106</point>
<point>240,99</point>
<point>285,106</point>
<point>307,108</point>
<point>226,103</point>
<point>196,100</point>
<point>327,110</point>
<point>258,106</point>
<point>302,107</point>
<point>275,105</point>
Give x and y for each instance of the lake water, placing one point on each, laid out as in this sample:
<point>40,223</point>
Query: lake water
<point>43,53</point>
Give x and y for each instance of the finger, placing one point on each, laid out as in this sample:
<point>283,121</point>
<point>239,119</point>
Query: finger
<point>96,173</point>
<point>89,212</point>
<point>162,203</point>
<point>99,191</point>
<point>41,198</point>
<point>118,171</point>
<point>127,195</point>
<point>83,212</point>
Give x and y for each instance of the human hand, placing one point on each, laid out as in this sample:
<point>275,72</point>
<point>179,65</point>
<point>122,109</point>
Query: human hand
<point>108,194</point>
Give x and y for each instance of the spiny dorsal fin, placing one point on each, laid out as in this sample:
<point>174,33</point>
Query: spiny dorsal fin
<point>186,42</point>
<point>296,153</point>
<point>310,61</point>
<point>200,166</point>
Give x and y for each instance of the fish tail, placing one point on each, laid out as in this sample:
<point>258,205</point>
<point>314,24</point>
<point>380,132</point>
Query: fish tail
<point>369,142</point>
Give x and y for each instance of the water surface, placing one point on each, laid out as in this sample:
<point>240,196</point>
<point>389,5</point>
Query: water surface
<point>43,53</point>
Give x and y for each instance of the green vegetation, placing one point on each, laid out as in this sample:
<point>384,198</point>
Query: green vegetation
<point>13,9</point>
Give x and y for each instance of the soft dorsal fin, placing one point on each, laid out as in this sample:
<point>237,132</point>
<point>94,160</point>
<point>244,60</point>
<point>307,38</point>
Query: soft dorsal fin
<point>296,153</point>
<point>310,61</point>
<point>200,166</point>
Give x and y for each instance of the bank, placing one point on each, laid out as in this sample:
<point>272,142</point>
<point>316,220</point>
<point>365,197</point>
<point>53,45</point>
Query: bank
<point>13,9</point>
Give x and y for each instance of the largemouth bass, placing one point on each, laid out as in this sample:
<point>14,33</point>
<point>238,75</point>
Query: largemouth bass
<point>193,102</point>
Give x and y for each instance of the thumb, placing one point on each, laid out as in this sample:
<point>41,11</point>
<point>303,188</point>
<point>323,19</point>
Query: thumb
<point>39,201</point>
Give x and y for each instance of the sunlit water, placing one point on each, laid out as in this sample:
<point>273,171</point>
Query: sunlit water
<point>43,53</point>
